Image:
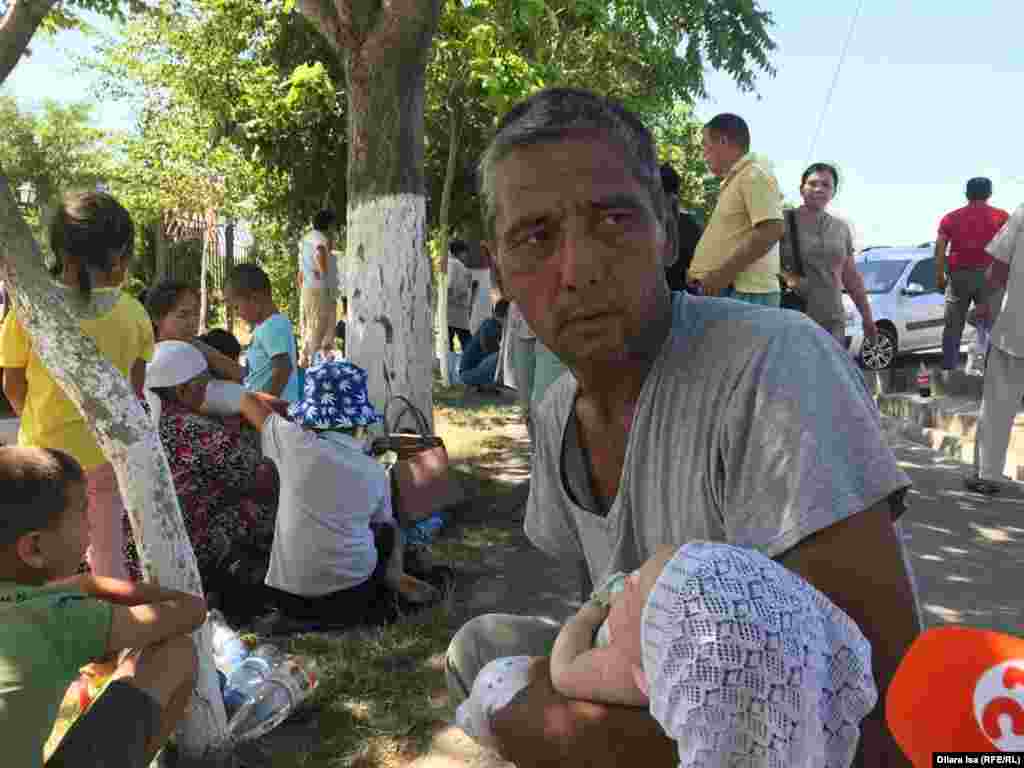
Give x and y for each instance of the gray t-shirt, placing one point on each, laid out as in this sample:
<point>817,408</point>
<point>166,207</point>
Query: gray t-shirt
<point>329,496</point>
<point>752,428</point>
<point>825,246</point>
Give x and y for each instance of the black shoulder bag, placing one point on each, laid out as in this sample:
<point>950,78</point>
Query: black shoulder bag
<point>790,298</point>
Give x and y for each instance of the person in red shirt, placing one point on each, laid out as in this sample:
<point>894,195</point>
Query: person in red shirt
<point>965,232</point>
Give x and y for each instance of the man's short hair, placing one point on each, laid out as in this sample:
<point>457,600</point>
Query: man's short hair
<point>979,188</point>
<point>249,280</point>
<point>669,180</point>
<point>324,220</point>
<point>732,128</point>
<point>554,114</point>
<point>34,487</point>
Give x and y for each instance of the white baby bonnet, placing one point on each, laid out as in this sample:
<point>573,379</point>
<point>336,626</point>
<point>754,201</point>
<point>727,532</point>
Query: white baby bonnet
<point>749,666</point>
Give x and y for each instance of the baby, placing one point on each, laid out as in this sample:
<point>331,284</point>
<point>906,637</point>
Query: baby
<point>737,658</point>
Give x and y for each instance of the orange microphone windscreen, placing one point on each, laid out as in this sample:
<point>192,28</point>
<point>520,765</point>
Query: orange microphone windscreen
<point>958,690</point>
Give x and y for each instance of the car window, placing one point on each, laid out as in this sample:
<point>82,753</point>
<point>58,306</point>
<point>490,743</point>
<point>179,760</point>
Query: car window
<point>923,274</point>
<point>880,276</point>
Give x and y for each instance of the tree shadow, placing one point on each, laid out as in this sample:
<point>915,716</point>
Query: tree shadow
<point>967,550</point>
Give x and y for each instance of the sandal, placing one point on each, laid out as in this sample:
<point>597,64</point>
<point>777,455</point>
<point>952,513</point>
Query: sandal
<point>978,485</point>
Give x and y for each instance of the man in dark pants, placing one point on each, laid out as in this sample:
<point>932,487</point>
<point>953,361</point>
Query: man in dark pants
<point>964,233</point>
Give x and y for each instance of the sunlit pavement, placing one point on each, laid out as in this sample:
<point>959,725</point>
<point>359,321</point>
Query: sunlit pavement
<point>967,549</point>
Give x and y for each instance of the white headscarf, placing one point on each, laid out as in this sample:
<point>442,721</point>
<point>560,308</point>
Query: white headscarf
<point>174,363</point>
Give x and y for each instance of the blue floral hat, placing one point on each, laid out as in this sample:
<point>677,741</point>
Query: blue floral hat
<point>334,397</point>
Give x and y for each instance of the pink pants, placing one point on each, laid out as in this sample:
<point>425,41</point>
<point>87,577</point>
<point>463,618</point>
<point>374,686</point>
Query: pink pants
<point>106,535</point>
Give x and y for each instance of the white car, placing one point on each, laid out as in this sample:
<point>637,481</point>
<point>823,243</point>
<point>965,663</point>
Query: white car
<point>905,301</point>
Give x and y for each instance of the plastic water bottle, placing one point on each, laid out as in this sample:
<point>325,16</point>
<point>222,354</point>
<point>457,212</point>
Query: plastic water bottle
<point>228,648</point>
<point>255,668</point>
<point>277,697</point>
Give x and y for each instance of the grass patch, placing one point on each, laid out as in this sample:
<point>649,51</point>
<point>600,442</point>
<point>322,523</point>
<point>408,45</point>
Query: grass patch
<point>382,695</point>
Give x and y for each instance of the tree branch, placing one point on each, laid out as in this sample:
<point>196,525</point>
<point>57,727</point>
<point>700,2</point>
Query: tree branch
<point>18,25</point>
<point>334,21</point>
<point>394,14</point>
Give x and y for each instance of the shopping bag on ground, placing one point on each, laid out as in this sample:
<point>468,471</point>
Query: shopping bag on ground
<point>421,482</point>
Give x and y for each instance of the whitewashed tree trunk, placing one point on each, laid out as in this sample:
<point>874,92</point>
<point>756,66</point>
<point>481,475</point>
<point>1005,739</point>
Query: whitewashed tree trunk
<point>128,440</point>
<point>441,315</point>
<point>384,47</point>
<point>389,297</point>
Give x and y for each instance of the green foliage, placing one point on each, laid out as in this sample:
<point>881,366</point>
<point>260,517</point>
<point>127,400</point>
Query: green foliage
<point>650,54</point>
<point>56,149</point>
<point>242,114</point>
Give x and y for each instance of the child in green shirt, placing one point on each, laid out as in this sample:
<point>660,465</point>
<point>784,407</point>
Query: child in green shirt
<point>53,622</point>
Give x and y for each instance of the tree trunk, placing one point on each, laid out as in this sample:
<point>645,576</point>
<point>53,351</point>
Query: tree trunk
<point>385,48</point>
<point>17,26</point>
<point>162,247</point>
<point>441,337</point>
<point>209,253</point>
<point>229,264</point>
<point>127,438</point>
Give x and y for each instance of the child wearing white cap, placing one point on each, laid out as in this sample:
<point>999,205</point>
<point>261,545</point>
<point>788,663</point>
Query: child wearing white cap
<point>740,660</point>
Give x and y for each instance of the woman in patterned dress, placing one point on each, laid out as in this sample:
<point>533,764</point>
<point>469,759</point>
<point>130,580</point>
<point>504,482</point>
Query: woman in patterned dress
<point>218,473</point>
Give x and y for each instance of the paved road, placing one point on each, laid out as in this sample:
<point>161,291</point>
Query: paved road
<point>967,549</point>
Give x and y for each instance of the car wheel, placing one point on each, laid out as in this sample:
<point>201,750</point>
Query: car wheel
<point>878,355</point>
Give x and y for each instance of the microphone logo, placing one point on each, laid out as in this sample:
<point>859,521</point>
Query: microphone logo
<point>999,705</point>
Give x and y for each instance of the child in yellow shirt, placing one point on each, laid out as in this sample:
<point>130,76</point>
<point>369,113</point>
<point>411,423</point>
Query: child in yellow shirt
<point>92,236</point>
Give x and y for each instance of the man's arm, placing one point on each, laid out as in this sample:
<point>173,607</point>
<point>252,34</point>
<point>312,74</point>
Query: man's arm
<point>281,366</point>
<point>1002,249</point>
<point>543,729</point>
<point>877,596</point>
<point>941,244</point>
<point>15,388</point>
<point>321,262</point>
<point>753,247</point>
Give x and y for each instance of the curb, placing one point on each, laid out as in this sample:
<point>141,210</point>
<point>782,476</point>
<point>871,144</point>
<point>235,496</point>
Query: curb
<point>947,425</point>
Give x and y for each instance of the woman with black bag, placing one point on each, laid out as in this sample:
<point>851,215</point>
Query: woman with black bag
<point>818,260</point>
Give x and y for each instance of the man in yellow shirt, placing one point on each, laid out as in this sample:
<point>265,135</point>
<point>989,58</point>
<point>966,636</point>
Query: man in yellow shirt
<point>738,255</point>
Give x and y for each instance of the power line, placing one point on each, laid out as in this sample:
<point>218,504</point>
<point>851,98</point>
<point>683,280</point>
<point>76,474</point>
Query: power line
<point>835,80</point>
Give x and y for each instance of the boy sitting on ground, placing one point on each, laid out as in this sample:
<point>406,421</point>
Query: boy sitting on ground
<point>52,623</point>
<point>272,357</point>
<point>740,660</point>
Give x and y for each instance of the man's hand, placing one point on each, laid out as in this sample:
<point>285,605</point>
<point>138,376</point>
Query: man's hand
<point>715,283</point>
<point>540,728</point>
<point>982,312</point>
<point>792,280</point>
<point>940,280</point>
<point>870,329</point>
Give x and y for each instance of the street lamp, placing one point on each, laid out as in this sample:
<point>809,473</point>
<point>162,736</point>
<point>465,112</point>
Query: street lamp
<point>26,194</point>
